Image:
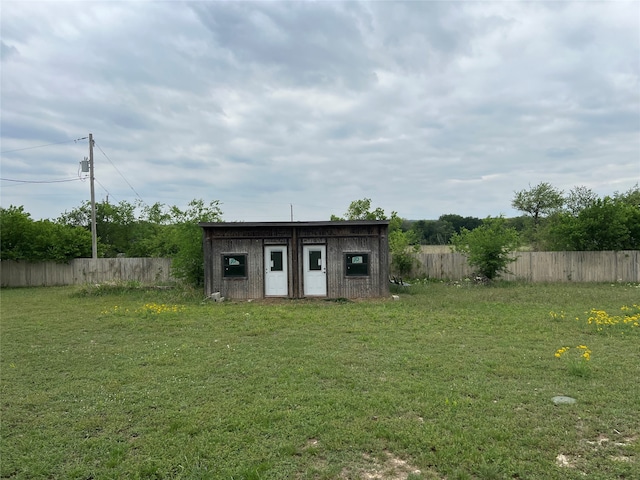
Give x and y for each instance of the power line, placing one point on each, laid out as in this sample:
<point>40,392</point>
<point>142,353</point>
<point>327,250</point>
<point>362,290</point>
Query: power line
<point>42,181</point>
<point>104,188</point>
<point>120,173</point>
<point>40,146</point>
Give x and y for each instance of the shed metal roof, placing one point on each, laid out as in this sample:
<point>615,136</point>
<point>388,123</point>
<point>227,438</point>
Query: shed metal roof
<point>330,223</point>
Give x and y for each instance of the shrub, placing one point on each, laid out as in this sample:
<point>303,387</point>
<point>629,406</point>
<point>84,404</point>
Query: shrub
<point>488,247</point>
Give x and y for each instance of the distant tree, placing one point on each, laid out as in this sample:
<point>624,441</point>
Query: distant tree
<point>488,247</point>
<point>458,222</point>
<point>420,228</point>
<point>433,232</point>
<point>631,196</point>
<point>438,232</point>
<point>406,225</point>
<point>520,223</point>
<point>539,201</point>
<point>403,245</point>
<point>361,210</point>
<point>578,199</point>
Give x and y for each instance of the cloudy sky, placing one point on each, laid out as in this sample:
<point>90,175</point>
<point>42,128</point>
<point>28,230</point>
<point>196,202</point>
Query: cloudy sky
<point>427,108</point>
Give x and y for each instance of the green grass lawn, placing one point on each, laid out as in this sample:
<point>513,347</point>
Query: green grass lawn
<point>451,381</point>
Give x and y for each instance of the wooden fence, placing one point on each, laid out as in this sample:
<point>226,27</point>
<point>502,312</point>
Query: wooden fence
<point>85,270</point>
<point>607,266</point>
<point>530,266</point>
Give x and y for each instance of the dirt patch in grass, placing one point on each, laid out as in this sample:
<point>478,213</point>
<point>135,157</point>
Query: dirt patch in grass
<point>614,448</point>
<point>390,467</point>
<point>566,461</point>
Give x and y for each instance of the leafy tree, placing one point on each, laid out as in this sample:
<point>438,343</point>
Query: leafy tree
<point>16,228</point>
<point>155,214</point>
<point>402,244</point>
<point>608,224</point>
<point>115,224</point>
<point>42,240</point>
<point>186,235</point>
<point>60,243</point>
<point>433,232</point>
<point>489,247</point>
<point>151,236</point>
<point>591,223</point>
<point>403,247</point>
<point>438,232</point>
<point>578,199</point>
<point>459,222</point>
<point>520,223</point>
<point>631,196</point>
<point>539,201</point>
<point>558,231</point>
<point>160,231</point>
<point>361,210</point>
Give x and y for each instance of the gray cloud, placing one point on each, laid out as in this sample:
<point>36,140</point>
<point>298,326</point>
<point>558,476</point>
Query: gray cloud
<point>425,107</point>
<point>291,43</point>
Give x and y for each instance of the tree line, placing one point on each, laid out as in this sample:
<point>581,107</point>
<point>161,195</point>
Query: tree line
<point>123,229</point>
<point>551,220</point>
<point>579,220</point>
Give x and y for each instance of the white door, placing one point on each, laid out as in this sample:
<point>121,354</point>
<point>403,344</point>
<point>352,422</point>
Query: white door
<point>275,271</point>
<point>315,270</point>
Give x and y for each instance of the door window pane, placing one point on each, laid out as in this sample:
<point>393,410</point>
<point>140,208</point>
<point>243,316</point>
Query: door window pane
<point>315,260</point>
<point>276,260</point>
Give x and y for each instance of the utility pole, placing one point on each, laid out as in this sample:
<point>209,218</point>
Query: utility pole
<point>94,231</point>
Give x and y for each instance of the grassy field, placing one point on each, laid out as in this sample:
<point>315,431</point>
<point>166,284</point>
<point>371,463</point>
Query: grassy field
<point>452,381</point>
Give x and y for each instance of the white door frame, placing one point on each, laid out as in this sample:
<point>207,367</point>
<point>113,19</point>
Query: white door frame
<point>314,270</point>
<point>276,278</point>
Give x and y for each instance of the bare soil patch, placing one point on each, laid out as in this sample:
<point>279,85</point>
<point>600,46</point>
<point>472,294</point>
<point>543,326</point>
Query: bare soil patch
<point>390,467</point>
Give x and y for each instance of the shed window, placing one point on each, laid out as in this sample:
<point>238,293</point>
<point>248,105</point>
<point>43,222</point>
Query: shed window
<point>276,261</point>
<point>235,265</point>
<point>315,260</point>
<point>357,264</point>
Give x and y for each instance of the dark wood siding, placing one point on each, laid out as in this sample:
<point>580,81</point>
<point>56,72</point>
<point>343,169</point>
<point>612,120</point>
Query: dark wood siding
<point>339,284</point>
<point>251,286</point>
<point>339,237</point>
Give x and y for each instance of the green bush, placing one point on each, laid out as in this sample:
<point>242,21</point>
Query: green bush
<point>489,247</point>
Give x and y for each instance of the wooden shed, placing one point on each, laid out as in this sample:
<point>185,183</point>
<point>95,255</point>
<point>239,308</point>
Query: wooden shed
<point>336,259</point>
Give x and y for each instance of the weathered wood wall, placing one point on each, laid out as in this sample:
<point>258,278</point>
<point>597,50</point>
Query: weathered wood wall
<point>250,286</point>
<point>339,285</point>
<point>85,270</point>
<point>338,237</point>
<point>607,266</point>
<point>531,266</point>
